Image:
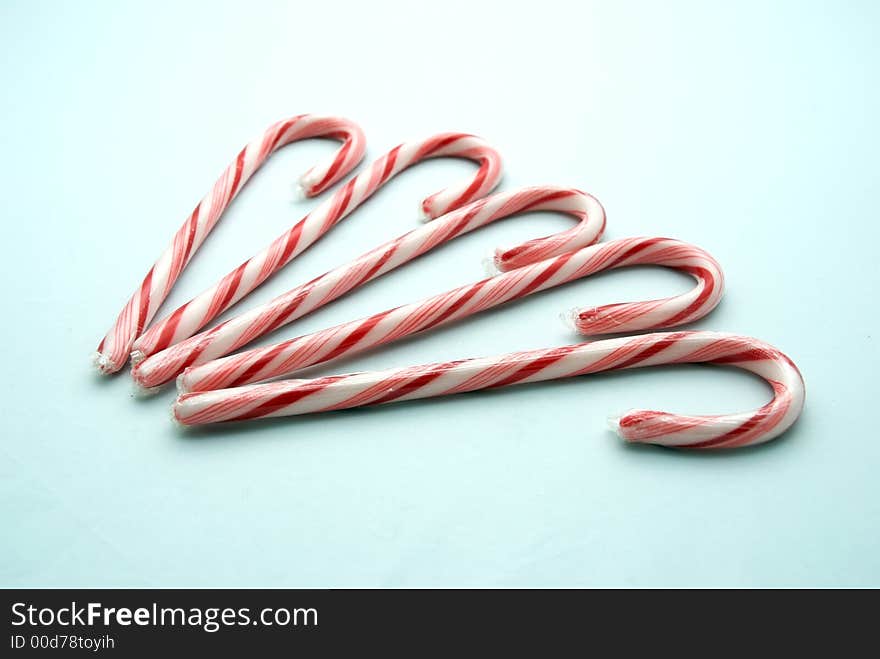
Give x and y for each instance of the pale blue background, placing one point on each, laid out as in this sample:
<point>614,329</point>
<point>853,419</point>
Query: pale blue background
<point>749,129</point>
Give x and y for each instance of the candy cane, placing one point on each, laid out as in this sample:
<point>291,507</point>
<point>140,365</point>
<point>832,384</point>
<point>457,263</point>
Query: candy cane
<point>288,357</point>
<point>703,432</point>
<point>196,313</point>
<point>241,330</point>
<point>114,349</point>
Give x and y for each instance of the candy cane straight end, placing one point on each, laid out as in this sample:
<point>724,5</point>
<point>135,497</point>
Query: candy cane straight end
<point>503,259</point>
<point>596,320</point>
<point>489,265</point>
<point>143,379</point>
<point>108,361</point>
<point>613,422</point>
<point>569,318</point>
<point>180,382</point>
<point>103,363</point>
<point>177,422</point>
<point>498,259</point>
<point>309,185</point>
<point>140,391</point>
<point>424,215</point>
<point>429,209</point>
<point>621,423</point>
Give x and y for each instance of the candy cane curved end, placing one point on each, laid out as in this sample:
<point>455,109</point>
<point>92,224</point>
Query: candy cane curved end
<point>592,224</point>
<point>285,398</point>
<point>336,166</point>
<point>114,349</point>
<point>460,145</point>
<point>724,431</point>
<point>665,312</point>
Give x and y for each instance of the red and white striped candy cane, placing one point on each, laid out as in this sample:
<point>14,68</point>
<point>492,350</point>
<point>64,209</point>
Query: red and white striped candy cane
<point>338,392</point>
<point>288,357</point>
<point>198,312</point>
<point>241,330</point>
<point>114,349</point>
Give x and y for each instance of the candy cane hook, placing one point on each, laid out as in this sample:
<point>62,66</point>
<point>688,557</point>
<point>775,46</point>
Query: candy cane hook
<point>114,349</point>
<point>294,397</point>
<point>241,330</point>
<point>198,312</point>
<point>288,357</point>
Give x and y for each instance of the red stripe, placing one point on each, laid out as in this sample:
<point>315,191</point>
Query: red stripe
<point>232,280</point>
<point>144,303</point>
<point>286,310</point>
<point>359,333</point>
<point>191,234</point>
<point>473,188</point>
<point>704,275</point>
<point>342,200</point>
<point>374,268</point>
<point>757,354</point>
<point>747,355</point>
<point>169,327</point>
<point>390,159</point>
<point>413,385</point>
<point>287,398</point>
<point>532,367</point>
<point>551,270</point>
<point>753,421</point>
<point>335,167</point>
<point>264,359</point>
<point>287,125</point>
<point>291,242</point>
<point>651,350</point>
<point>632,251</point>
<point>458,304</point>
<point>543,199</point>
<point>438,142</point>
<point>200,347</point>
<point>239,165</point>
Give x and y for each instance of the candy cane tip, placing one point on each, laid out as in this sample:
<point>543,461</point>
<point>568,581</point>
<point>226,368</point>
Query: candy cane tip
<point>598,320</point>
<point>569,318</point>
<point>104,364</point>
<point>137,356</point>
<point>424,215</point>
<point>490,266</point>
<point>429,209</point>
<point>181,384</point>
<point>613,422</point>
<point>299,192</point>
<point>172,414</point>
<point>308,185</point>
<point>620,422</point>
<point>502,259</point>
<point>140,391</point>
